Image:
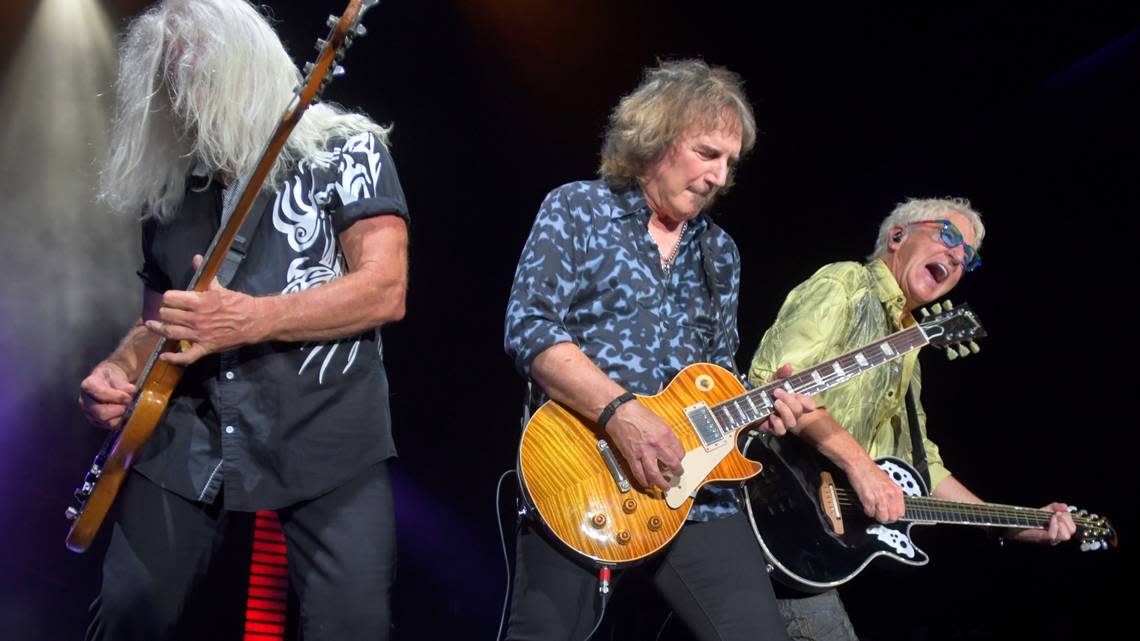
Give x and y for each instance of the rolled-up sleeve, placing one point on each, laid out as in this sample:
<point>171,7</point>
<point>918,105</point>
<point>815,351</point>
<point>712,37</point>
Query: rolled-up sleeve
<point>546,281</point>
<point>365,183</point>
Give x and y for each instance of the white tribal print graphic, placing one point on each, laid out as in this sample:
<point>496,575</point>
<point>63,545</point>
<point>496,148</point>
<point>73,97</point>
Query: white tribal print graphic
<point>300,215</point>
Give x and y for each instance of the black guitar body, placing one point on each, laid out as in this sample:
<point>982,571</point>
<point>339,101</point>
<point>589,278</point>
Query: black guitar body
<point>784,505</point>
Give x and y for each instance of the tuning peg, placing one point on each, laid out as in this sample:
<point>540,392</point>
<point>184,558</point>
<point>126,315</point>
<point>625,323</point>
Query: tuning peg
<point>937,308</point>
<point>332,22</point>
<point>309,68</point>
<point>948,305</point>
<point>974,347</point>
<point>963,350</point>
<point>338,71</point>
<point>951,354</point>
<point>1094,516</point>
<point>925,312</point>
<point>321,42</point>
<point>361,31</point>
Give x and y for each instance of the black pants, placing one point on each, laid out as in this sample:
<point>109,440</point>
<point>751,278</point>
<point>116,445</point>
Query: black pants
<point>341,553</point>
<point>713,576</point>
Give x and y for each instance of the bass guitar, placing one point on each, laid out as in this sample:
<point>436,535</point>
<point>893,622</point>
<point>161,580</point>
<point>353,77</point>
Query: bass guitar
<point>580,486</point>
<point>158,379</point>
<point>816,536</point>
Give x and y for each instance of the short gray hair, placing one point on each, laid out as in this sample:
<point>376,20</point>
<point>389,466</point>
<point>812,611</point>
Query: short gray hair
<point>916,209</point>
<point>671,98</point>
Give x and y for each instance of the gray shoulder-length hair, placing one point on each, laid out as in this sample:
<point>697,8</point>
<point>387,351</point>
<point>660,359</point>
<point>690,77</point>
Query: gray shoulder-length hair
<point>916,209</point>
<point>205,81</point>
<point>671,98</point>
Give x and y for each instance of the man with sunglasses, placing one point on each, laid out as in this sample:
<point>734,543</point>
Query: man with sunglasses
<point>924,247</point>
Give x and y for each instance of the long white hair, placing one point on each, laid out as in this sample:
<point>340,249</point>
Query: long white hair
<point>205,81</point>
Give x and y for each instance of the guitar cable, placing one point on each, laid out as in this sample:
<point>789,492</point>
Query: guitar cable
<point>503,542</point>
<point>604,572</point>
<point>603,596</point>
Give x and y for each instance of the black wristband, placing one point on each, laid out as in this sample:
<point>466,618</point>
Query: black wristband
<point>608,413</point>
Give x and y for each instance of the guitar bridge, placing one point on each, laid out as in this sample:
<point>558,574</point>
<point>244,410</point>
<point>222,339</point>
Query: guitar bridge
<point>829,501</point>
<point>611,462</point>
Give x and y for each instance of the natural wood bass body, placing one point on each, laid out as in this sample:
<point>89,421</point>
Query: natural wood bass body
<point>112,467</point>
<point>565,477</point>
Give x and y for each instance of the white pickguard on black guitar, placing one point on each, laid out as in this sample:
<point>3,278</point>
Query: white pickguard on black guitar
<point>812,528</point>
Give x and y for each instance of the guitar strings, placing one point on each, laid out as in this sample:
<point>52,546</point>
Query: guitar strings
<point>825,377</point>
<point>945,510</point>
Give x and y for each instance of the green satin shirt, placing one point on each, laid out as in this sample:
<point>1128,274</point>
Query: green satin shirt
<point>843,307</point>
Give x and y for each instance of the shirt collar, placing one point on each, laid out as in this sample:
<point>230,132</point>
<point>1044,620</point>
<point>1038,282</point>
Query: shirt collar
<point>888,290</point>
<point>632,201</point>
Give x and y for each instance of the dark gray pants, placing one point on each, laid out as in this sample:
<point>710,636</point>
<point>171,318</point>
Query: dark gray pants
<point>341,553</point>
<point>819,617</point>
<point>713,576</point>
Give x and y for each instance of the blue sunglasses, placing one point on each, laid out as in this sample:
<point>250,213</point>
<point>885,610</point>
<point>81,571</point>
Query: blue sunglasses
<point>951,236</point>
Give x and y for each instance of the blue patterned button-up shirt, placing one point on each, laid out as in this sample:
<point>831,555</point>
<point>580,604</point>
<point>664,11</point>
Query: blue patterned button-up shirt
<point>590,274</point>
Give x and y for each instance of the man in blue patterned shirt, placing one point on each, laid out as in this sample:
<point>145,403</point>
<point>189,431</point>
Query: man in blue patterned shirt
<point>623,282</point>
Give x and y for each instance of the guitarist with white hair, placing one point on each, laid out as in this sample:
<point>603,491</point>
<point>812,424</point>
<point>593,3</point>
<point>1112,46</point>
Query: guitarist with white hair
<point>924,248</point>
<point>284,401</point>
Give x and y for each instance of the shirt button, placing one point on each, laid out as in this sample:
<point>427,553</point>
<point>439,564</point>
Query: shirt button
<point>229,376</point>
<point>890,393</point>
<point>229,429</point>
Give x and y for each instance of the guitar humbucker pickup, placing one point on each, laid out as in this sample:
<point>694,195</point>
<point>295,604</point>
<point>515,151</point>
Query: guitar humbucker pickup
<point>704,423</point>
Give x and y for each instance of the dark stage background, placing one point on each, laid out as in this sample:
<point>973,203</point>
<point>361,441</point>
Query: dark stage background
<point>1030,112</point>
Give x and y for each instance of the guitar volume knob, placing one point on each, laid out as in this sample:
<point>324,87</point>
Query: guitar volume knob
<point>598,520</point>
<point>623,537</point>
<point>629,506</point>
<point>654,523</point>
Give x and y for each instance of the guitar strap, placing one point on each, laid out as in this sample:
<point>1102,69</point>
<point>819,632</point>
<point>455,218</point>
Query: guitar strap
<point>917,451</point>
<point>720,331</point>
<point>240,247</point>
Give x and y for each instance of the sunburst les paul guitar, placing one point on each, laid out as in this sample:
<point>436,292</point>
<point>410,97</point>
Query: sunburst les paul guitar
<point>94,497</point>
<point>581,487</point>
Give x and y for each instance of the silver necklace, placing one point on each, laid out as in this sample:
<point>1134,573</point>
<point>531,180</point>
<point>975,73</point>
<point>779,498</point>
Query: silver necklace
<point>667,264</point>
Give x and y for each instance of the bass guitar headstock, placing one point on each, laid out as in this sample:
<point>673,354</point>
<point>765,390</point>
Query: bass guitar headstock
<point>952,328</point>
<point>331,49</point>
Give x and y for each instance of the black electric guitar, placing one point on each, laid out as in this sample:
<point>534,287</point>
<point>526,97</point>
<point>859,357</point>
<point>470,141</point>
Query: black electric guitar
<point>812,528</point>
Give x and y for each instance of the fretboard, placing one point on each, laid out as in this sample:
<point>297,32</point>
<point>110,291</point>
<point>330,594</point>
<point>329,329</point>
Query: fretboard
<point>927,509</point>
<point>757,404</point>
